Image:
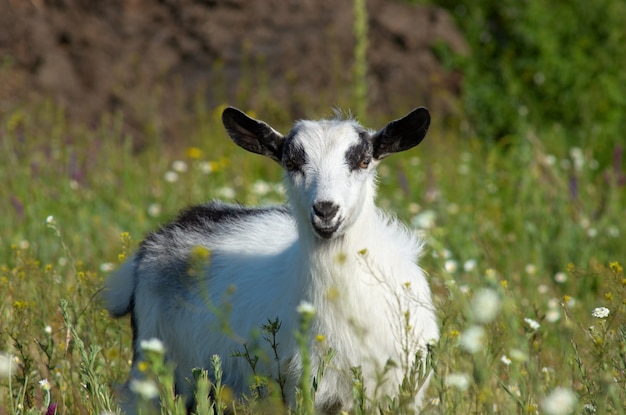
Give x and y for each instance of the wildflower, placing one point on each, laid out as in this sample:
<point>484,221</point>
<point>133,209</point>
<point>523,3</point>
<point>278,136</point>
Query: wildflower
<point>153,345</point>
<point>194,153</point>
<point>171,176</point>
<point>460,381</point>
<point>553,315</point>
<point>147,389</point>
<point>472,339</point>
<point>560,277</point>
<point>600,312</point>
<point>48,329</point>
<point>44,384</point>
<point>561,401</point>
<point>52,409</point>
<point>179,166</point>
<point>486,306</point>
<point>532,323</point>
<point>154,210</point>
<point>50,220</point>
<point>616,267</point>
<point>450,265</point>
<point>207,167</point>
<point>530,269</point>
<point>7,365</point>
<point>305,308</point>
<point>107,266</point>
<point>469,265</point>
<point>226,193</point>
<point>261,188</point>
<point>424,220</point>
<point>505,359</point>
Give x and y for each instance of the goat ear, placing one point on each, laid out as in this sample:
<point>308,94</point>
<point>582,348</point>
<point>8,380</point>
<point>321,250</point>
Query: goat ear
<point>401,134</point>
<point>253,135</point>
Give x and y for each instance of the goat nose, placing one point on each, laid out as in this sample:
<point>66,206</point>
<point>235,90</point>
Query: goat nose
<point>325,210</point>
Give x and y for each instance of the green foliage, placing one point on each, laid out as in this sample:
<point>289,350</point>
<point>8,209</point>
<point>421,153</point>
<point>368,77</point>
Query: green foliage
<point>556,64</point>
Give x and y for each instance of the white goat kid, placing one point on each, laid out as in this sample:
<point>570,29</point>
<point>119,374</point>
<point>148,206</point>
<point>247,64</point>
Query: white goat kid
<point>329,246</point>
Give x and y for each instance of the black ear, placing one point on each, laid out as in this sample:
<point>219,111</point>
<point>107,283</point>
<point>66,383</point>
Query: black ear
<point>401,134</point>
<point>253,135</point>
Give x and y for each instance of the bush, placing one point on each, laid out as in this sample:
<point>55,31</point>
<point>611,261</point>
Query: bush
<point>546,65</point>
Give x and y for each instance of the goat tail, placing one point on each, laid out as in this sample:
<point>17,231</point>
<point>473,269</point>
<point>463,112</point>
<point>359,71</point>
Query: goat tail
<point>119,289</point>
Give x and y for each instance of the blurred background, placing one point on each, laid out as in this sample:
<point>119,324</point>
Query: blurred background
<point>489,68</point>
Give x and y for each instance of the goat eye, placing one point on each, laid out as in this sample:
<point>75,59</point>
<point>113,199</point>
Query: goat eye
<point>364,164</point>
<point>290,165</point>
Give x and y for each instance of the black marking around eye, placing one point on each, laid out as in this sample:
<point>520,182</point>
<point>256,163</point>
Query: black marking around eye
<point>360,152</point>
<point>294,156</point>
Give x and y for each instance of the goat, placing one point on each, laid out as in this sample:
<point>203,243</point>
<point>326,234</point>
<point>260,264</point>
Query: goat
<point>329,246</point>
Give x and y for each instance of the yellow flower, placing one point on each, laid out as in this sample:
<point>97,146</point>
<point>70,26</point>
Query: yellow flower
<point>20,305</point>
<point>194,153</point>
<point>454,333</point>
<point>616,267</point>
<point>143,366</point>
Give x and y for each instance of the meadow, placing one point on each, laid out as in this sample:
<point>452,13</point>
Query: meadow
<point>525,253</point>
<point>525,247</point>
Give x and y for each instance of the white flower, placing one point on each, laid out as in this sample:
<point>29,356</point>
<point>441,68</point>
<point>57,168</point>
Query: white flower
<point>7,365</point>
<point>424,220</point>
<point>107,267</point>
<point>153,345</point>
<point>553,315</point>
<point>206,167</point>
<point>461,381</point>
<point>532,323</point>
<point>179,166</point>
<point>472,339</point>
<point>261,188</point>
<point>154,210</point>
<point>147,389</point>
<point>469,265</point>
<point>560,277</point>
<point>305,308</point>
<point>600,312</point>
<point>44,384</point>
<point>486,305</point>
<point>505,359</point>
<point>48,329</point>
<point>561,401</point>
<point>50,220</point>
<point>226,193</point>
<point>170,176</point>
<point>450,265</point>
<point>531,269</point>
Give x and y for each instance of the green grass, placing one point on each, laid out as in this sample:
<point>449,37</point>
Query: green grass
<point>537,223</point>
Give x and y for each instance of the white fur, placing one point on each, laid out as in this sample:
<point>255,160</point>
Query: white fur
<point>372,301</point>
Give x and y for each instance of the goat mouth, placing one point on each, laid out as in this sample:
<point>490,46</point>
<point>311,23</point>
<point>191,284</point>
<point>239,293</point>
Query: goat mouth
<point>325,231</point>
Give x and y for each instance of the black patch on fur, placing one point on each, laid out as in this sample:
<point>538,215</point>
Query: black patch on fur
<point>134,328</point>
<point>203,218</point>
<point>294,156</point>
<point>359,152</point>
